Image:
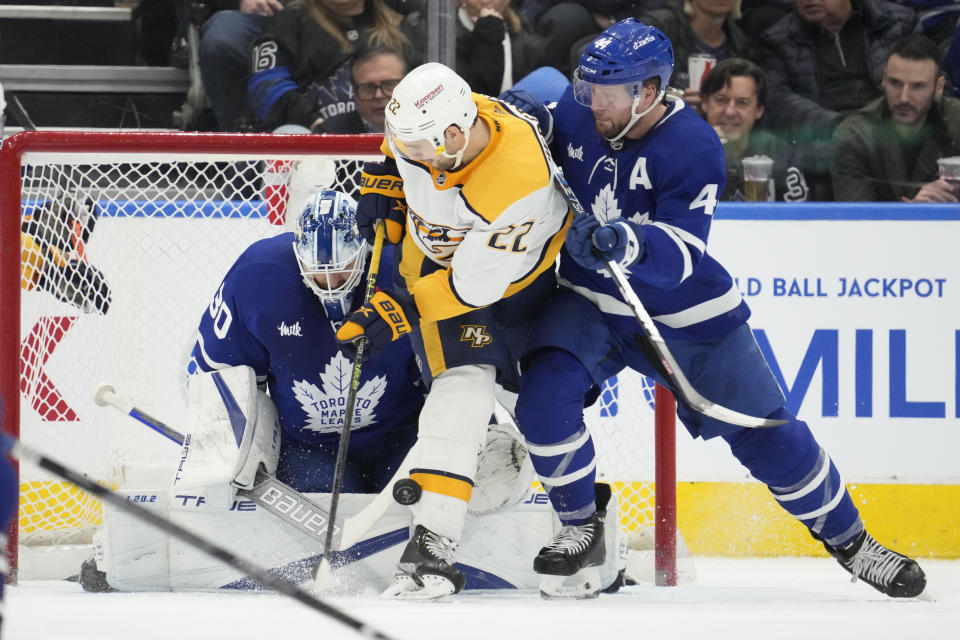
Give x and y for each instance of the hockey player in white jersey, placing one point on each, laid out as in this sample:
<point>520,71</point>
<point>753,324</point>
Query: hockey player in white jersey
<point>648,169</point>
<point>466,191</point>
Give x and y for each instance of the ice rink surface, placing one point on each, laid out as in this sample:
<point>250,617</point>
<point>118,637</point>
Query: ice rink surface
<point>732,599</point>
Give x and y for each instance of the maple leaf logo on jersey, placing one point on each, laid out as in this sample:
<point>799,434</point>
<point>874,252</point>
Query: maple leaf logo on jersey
<point>604,206</point>
<point>326,405</point>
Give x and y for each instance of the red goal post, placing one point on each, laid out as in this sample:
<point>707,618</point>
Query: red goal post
<point>125,292</point>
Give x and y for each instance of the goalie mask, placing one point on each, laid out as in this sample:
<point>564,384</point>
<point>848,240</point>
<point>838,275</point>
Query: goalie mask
<point>614,67</point>
<point>330,251</point>
<point>427,101</point>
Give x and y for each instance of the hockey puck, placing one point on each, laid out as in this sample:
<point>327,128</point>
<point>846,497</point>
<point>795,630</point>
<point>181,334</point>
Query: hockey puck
<point>406,491</point>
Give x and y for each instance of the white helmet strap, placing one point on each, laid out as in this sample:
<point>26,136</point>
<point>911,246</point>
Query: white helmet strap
<point>458,156</point>
<point>616,141</point>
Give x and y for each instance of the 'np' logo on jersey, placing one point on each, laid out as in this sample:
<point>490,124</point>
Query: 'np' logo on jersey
<point>475,333</point>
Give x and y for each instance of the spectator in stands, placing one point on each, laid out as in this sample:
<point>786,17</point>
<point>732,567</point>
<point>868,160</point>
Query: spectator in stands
<point>373,73</point>
<point>951,63</point>
<point>889,149</point>
<point>300,62</point>
<point>734,97</point>
<point>224,57</point>
<point>495,48</point>
<point>822,61</point>
<point>701,26</point>
<point>757,15</point>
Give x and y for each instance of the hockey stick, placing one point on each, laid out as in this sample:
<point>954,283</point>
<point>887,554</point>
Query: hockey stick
<point>674,375</point>
<point>323,567</point>
<point>267,492</point>
<point>22,452</point>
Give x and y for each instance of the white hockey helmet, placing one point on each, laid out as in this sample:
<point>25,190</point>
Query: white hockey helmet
<point>427,101</point>
<point>330,251</point>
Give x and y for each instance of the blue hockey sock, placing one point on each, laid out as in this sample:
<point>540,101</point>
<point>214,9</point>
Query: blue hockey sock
<point>550,416</point>
<point>801,476</point>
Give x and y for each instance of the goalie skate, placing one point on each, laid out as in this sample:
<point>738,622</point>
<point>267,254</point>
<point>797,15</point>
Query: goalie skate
<point>426,568</point>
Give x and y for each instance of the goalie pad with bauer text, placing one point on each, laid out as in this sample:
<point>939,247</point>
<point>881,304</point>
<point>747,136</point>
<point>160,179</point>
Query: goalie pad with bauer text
<point>234,432</point>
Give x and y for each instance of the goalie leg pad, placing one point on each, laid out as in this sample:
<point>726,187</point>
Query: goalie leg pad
<point>453,427</point>
<point>235,432</point>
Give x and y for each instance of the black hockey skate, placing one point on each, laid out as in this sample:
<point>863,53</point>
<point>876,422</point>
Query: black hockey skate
<point>576,547</point>
<point>886,571</point>
<point>426,568</point>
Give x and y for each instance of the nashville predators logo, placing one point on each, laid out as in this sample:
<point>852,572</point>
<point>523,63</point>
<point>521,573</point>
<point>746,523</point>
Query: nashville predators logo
<point>439,242</point>
<point>475,333</point>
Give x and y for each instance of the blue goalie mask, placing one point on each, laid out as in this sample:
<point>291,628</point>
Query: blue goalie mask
<point>330,250</point>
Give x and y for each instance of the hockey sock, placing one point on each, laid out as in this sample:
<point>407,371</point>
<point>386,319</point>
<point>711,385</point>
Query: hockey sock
<point>801,476</point>
<point>550,416</point>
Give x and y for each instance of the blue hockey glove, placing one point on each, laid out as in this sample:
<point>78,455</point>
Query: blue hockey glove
<point>591,243</point>
<point>381,198</point>
<point>382,320</point>
<point>528,104</point>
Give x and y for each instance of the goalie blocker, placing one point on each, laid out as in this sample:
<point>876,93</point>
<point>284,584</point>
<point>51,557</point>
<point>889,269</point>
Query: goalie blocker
<point>506,525</point>
<point>235,432</point>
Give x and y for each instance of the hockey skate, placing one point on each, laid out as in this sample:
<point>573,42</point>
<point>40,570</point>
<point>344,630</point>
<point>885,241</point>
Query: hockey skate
<point>570,562</point>
<point>886,571</point>
<point>426,568</point>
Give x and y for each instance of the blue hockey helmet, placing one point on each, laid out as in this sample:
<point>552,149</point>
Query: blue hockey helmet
<point>627,53</point>
<point>329,249</point>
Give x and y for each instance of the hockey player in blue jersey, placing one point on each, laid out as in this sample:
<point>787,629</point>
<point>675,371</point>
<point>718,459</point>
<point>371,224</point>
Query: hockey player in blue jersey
<point>648,170</point>
<point>277,311</point>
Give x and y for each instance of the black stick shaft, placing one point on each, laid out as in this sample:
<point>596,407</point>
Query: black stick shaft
<point>265,578</point>
<point>340,467</point>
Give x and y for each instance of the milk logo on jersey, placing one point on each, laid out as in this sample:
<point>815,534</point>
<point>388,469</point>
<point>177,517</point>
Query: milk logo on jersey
<point>476,334</point>
<point>290,330</point>
<point>325,406</point>
<point>437,240</point>
<point>575,153</point>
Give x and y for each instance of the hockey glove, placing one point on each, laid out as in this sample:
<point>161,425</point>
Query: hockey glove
<point>381,198</point>
<point>382,320</point>
<point>591,243</point>
<point>531,106</point>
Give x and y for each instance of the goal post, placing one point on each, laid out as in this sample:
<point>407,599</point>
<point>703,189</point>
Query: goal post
<point>112,245</point>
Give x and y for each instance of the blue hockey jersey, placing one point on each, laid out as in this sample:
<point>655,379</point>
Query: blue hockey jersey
<point>264,316</point>
<point>669,181</point>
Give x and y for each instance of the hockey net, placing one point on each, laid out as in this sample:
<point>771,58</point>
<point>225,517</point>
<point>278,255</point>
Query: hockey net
<point>124,238</point>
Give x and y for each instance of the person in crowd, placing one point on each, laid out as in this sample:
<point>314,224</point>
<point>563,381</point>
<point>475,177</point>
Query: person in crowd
<point>224,57</point>
<point>300,71</point>
<point>888,150</point>
<point>734,97</point>
<point>823,61</point>
<point>374,73</point>
<point>704,27</point>
<point>495,48</point>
